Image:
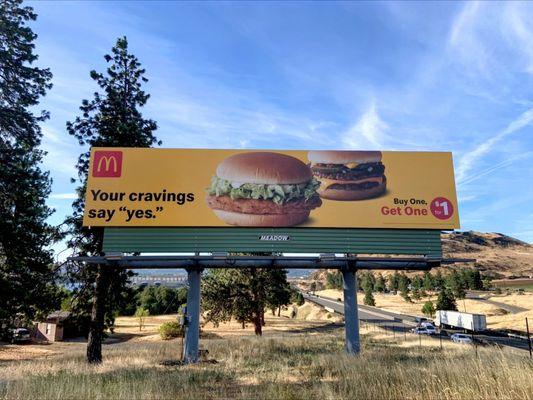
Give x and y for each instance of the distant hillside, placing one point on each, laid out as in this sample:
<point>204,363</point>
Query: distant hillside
<point>497,255</point>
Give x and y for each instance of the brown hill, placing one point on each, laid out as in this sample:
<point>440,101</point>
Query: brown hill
<point>496,254</point>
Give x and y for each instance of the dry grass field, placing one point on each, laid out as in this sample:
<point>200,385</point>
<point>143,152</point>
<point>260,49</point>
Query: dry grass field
<point>526,284</point>
<point>295,359</point>
<point>497,317</point>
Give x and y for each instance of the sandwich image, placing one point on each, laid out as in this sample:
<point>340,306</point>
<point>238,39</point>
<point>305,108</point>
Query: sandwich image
<point>263,189</point>
<point>348,175</point>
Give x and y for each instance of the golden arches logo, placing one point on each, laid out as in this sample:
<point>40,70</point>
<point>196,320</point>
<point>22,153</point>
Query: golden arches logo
<point>107,164</point>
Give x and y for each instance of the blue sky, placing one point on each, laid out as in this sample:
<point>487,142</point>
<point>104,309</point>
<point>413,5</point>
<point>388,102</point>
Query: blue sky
<point>392,76</point>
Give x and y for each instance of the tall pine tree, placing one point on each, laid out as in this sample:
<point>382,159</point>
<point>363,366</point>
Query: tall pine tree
<point>111,119</point>
<point>26,271</point>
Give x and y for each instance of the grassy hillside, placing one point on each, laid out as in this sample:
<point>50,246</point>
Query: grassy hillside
<point>294,364</point>
<point>497,255</point>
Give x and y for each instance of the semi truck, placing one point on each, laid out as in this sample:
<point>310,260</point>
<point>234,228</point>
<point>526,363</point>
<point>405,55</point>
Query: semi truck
<point>456,319</point>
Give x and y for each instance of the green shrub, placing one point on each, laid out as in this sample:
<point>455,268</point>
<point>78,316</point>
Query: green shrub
<point>428,309</point>
<point>170,330</point>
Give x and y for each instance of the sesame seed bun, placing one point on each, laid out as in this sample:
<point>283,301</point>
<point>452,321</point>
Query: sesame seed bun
<point>264,167</point>
<point>343,157</point>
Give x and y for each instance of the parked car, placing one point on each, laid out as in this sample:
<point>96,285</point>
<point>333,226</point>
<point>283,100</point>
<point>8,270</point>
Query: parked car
<point>20,335</point>
<point>429,330</point>
<point>461,338</point>
<point>427,324</point>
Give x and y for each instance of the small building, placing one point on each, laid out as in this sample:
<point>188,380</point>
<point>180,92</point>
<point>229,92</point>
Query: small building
<point>52,328</point>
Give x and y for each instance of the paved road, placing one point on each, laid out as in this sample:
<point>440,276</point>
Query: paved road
<point>372,315</point>
<point>401,323</point>
<point>507,307</point>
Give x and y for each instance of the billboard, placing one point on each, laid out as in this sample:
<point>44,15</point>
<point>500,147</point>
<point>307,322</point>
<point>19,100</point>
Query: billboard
<point>140,187</point>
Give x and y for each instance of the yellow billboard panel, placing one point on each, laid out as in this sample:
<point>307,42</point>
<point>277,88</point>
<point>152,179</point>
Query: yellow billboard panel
<point>221,188</point>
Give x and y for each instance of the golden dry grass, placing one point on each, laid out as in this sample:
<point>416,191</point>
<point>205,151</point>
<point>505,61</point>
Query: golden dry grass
<point>279,365</point>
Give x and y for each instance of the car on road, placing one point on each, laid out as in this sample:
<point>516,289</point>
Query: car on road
<point>427,330</point>
<point>461,338</point>
<point>20,335</point>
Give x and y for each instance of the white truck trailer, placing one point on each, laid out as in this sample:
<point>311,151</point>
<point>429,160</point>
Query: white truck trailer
<point>456,319</point>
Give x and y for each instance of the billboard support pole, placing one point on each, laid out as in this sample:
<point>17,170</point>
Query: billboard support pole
<point>351,317</point>
<point>192,329</point>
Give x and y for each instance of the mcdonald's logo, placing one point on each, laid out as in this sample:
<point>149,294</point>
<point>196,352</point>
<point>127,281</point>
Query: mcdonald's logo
<point>107,164</point>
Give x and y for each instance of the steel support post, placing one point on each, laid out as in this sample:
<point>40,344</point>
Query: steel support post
<point>351,315</point>
<point>192,329</point>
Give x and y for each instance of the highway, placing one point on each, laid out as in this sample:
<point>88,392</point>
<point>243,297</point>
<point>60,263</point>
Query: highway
<point>371,315</point>
<point>401,322</point>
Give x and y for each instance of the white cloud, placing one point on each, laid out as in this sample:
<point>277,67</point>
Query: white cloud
<point>468,160</point>
<point>202,122</point>
<point>468,197</point>
<point>494,168</point>
<point>369,132</point>
<point>489,38</point>
<point>64,196</point>
<point>518,19</point>
<point>464,41</point>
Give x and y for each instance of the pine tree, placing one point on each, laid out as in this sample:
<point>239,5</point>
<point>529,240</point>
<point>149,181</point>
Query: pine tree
<point>334,280</point>
<point>394,281</point>
<point>446,300</point>
<point>380,285</point>
<point>416,284</point>
<point>428,309</point>
<point>403,286</point>
<point>369,298</point>
<point>438,281</point>
<point>367,281</point>
<point>278,293</point>
<point>456,283</point>
<point>298,298</point>
<point>26,271</point>
<point>367,284</point>
<point>428,281</point>
<point>111,119</point>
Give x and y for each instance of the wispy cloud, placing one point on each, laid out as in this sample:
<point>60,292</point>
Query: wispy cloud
<point>62,154</point>
<point>463,39</point>
<point>218,119</point>
<point>467,161</point>
<point>518,19</point>
<point>474,177</point>
<point>64,196</point>
<point>369,132</point>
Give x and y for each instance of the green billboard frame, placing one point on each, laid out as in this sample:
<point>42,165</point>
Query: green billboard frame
<point>424,242</point>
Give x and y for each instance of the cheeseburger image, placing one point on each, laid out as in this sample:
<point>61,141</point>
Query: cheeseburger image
<point>263,189</point>
<point>348,175</point>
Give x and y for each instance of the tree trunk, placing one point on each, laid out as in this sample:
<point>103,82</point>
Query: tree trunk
<point>96,326</point>
<point>243,325</point>
<point>279,311</point>
<point>258,327</point>
<point>263,317</point>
